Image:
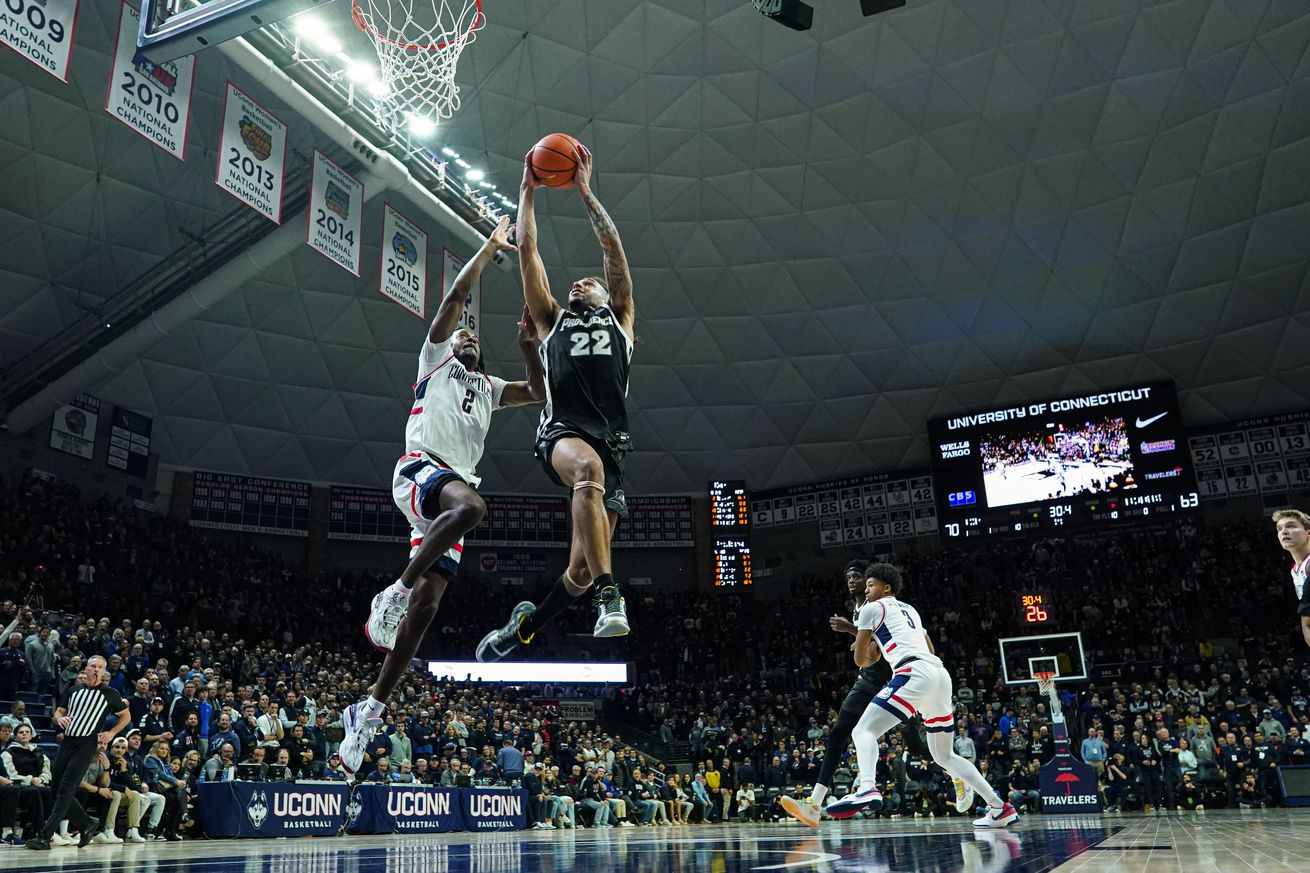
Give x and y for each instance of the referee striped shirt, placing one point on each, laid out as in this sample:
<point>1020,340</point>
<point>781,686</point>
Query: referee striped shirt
<point>87,707</point>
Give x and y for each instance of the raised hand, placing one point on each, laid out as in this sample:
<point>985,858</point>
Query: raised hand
<point>499,238</point>
<point>530,179</point>
<point>527,330</point>
<point>582,178</point>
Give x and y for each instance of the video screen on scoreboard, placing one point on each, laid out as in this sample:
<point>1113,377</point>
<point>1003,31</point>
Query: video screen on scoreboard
<point>1097,458</point>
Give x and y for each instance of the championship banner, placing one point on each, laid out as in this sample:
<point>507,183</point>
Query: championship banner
<point>129,442</point>
<point>41,31</point>
<point>250,504</point>
<point>404,268</point>
<point>252,154</point>
<point>152,99</point>
<point>386,809</point>
<point>264,809</point>
<point>451,264</point>
<point>73,429</point>
<point>491,809</point>
<point>336,204</point>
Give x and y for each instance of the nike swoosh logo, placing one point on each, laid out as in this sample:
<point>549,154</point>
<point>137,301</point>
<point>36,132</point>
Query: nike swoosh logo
<point>1152,420</point>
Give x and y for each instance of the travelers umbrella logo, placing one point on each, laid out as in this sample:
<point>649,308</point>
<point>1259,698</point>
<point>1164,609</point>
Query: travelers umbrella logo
<point>257,809</point>
<point>256,138</point>
<point>1068,780</point>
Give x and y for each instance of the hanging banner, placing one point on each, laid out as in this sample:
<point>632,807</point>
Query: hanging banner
<point>73,429</point>
<point>41,31</point>
<point>404,268</point>
<point>336,203</point>
<point>451,264</point>
<point>129,442</point>
<point>152,99</point>
<point>252,154</point>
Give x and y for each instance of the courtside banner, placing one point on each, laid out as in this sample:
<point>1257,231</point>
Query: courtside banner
<point>41,31</point>
<point>491,809</point>
<point>252,154</point>
<point>386,809</point>
<point>152,99</point>
<point>404,268</point>
<point>336,203</point>
<point>451,264</point>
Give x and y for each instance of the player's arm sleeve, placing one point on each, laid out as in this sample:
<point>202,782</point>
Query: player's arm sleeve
<point>498,392</point>
<point>871,616</point>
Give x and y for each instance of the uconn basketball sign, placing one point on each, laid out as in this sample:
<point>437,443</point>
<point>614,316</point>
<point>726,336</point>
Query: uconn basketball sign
<point>260,809</point>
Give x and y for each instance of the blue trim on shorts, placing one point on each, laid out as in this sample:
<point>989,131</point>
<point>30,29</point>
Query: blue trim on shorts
<point>900,716</point>
<point>937,729</point>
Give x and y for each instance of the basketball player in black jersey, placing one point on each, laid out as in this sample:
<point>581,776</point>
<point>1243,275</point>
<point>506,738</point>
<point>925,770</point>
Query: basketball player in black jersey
<point>586,350</point>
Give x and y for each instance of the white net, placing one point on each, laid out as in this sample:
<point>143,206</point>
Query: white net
<point>418,44</point>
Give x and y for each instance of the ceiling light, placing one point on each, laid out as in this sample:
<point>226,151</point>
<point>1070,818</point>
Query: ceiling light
<point>379,89</point>
<point>421,125</point>
<point>360,73</point>
<point>475,175</point>
<point>449,152</point>
<point>463,163</point>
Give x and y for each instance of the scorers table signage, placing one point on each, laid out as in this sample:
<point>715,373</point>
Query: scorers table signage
<point>877,508</point>
<point>244,503</point>
<point>1269,455</point>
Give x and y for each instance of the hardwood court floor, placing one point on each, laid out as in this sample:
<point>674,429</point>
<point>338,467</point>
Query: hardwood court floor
<point>1224,842</point>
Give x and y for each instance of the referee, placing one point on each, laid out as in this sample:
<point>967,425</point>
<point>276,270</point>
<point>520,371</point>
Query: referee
<point>81,714</point>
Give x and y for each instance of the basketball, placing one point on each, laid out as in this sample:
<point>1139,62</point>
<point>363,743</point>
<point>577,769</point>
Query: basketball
<point>553,160</point>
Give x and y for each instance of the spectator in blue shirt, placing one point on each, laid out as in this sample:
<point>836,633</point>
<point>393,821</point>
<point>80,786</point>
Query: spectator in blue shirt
<point>383,773</point>
<point>509,761</point>
<point>225,734</point>
<point>1095,751</point>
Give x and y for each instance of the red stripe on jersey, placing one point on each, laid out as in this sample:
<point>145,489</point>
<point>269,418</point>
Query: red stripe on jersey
<point>416,410</point>
<point>458,548</point>
<point>415,541</point>
<point>413,500</point>
<point>433,370</point>
<point>936,720</point>
<point>906,670</point>
<point>903,703</point>
<point>890,647</point>
<point>881,618</point>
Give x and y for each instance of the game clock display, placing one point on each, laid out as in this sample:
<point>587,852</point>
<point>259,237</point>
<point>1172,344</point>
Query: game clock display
<point>1035,607</point>
<point>1093,459</point>
<point>730,521</point>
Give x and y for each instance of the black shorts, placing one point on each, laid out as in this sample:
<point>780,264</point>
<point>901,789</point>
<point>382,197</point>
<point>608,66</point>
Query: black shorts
<point>611,458</point>
<point>861,695</point>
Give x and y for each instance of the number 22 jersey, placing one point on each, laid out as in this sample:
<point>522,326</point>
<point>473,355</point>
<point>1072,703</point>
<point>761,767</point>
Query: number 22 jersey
<point>587,358</point>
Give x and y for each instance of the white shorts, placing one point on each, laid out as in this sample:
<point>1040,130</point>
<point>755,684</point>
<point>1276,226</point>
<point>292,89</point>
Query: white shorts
<point>418,477</point>
<point>920,687</point>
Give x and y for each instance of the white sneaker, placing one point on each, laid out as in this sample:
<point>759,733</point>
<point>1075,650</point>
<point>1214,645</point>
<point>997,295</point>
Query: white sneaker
<point>134,836</point>
<point>102,838</point>
<point>856,801</point>
<point>625,824</point>
<point>359,731</point>
<point>963,796</point>
<point>997,818</point>
<point>384,616</point>
<point>59,840</point>
<point>805,811</point>
<point>611,614</point>
<point>505,638</point>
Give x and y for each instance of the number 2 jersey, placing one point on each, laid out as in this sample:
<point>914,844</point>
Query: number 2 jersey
<point>897,629</point>
<point>452,410</point>
<point>587,358</point>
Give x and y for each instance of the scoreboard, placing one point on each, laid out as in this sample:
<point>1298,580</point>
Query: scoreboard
<point>1268,456</point>
<point>522,521</point>
<point>876,508</point>
<point>246,503</point>
<point>367,514</point>
<point>660,522</point>
<point>730,524</point>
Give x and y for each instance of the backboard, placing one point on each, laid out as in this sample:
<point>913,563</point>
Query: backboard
<point>1022,658</point>
<point>172,29</point>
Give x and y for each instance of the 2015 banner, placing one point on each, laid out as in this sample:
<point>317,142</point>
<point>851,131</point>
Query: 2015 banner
<point>404,268</point>
<point>41,31</point>
<point>336,204</point>
<point>152,99</point>
<point>252,154</point>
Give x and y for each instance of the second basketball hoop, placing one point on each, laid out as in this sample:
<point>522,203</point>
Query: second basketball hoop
<point>419,43</point>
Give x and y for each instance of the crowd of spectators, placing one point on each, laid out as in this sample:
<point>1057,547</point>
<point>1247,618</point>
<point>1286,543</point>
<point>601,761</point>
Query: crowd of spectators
<point>1194,696</point>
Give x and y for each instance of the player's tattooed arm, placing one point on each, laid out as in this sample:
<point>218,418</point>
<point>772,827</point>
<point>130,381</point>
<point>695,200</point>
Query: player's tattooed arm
<point>452,308</point>
<point>618,280</point>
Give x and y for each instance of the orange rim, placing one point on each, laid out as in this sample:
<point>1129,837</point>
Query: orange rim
<point>478,20</point>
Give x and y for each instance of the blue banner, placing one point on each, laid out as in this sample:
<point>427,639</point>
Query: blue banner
<point>264,809</point>
<point>385,809</point>
<point>492,809</point>
<point>1069,785</point>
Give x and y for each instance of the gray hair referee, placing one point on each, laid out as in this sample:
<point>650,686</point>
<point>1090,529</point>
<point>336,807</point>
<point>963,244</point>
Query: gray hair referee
<point>80,715</point>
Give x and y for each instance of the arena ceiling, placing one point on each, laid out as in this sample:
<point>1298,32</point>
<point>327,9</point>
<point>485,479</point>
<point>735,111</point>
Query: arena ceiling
<point>834,235</point>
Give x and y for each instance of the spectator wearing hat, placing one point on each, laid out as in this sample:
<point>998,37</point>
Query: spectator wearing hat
<point>591,794</point>
<point>333,772</point>
<point>154,724</point>
<point>123,780</point>
<point>1270,726</point>
<point>536,798</point>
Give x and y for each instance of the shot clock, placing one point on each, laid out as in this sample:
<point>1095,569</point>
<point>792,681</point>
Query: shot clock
<point>1035,607</point>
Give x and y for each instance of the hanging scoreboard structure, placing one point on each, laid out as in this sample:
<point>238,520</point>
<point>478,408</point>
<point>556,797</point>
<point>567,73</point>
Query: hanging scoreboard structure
<point>878,508</point>
<point>656,522</point>
<point>245,503</point>
<point>730,522</point>
<point>1259,456</point>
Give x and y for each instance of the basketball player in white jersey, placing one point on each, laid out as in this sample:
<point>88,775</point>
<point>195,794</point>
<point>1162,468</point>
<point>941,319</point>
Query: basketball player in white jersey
<point>434,481</point>
<point>1293,529</point>
<point>890,628</point>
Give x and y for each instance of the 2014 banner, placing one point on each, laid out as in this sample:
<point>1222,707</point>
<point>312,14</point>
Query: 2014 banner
<point>252,154</point>
<point>404,268</point>
<point>336,204</point>
<point>152,99</point>
<point>41,31</point>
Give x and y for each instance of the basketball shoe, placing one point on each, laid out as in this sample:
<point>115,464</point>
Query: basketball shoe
<point>611,613</point>
<point>804,811</point>
<point>859,801</point>
<point>384,616</point>
<point>359,730</point>
<point>505,639</point>
<point>997,818</point>
<point>963,796</point>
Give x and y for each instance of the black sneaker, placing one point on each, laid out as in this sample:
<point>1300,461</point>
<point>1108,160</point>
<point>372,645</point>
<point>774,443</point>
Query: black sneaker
<point>505,639</point>
<point>89,832</point>
<point>41,844</point>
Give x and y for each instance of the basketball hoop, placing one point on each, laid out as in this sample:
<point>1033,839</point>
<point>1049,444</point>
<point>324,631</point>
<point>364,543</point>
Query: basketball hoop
<point>418,44</point>
<point>1046,683</point>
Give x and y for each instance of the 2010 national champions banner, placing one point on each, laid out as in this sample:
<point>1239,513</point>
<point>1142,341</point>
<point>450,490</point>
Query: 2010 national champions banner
<point>152,99</point>
<point>41,31</point>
